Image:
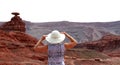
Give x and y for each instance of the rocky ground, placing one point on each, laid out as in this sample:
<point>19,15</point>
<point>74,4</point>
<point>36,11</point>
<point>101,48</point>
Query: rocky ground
<point>16,48</point>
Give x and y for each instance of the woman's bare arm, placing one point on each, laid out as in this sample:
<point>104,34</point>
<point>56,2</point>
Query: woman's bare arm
<point>40,47</point>
<point>72,42</point>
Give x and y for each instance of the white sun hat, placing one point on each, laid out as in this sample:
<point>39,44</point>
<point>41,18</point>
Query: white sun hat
<point>55,37</point>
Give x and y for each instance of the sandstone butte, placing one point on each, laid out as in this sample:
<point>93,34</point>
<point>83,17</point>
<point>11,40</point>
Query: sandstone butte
<point>15,24</point>
<point>16,47</point>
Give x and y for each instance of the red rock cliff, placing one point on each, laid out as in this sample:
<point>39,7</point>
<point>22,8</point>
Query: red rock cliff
<point>16,48</point>
<point>105,43</point>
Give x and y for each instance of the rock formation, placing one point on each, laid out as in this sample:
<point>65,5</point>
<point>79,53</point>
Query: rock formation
<point>16,24</point>
<point>16,48</point>
<point>109,44</point>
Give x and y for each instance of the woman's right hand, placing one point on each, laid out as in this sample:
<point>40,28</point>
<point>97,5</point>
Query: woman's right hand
<point>43,37</point>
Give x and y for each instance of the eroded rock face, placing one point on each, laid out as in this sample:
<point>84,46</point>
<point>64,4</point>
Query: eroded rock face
<point>16,24</point>
<point>16,48</point>
<point>109,44</point>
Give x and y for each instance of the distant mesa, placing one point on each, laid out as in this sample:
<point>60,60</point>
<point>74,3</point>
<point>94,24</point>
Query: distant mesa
<point>15,24</point>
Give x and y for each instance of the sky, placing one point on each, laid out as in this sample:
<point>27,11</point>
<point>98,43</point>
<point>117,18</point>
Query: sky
<point>61,10</point>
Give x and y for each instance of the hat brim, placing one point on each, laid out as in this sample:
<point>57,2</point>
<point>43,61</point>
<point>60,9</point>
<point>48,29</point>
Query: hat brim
<point>55,41</point>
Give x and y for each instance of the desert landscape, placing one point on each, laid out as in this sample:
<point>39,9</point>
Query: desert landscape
<point>98,43</point>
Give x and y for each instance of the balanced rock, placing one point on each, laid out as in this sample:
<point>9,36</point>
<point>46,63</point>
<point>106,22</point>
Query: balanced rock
<point>16,24</point>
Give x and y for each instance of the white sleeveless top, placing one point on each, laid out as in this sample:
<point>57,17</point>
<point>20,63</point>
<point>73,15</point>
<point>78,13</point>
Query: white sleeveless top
<point>56,54</point>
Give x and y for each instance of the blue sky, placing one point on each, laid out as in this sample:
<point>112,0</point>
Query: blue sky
<point>60,10</point>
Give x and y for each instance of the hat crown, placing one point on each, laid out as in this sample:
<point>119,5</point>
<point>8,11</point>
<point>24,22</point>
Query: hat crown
<point>55,34</point>
<point>55,37</point>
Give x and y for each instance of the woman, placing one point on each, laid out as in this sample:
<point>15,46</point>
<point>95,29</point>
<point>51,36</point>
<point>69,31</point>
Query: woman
<point>55,47</point>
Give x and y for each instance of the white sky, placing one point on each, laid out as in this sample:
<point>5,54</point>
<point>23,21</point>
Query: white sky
<point>59,10</point>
